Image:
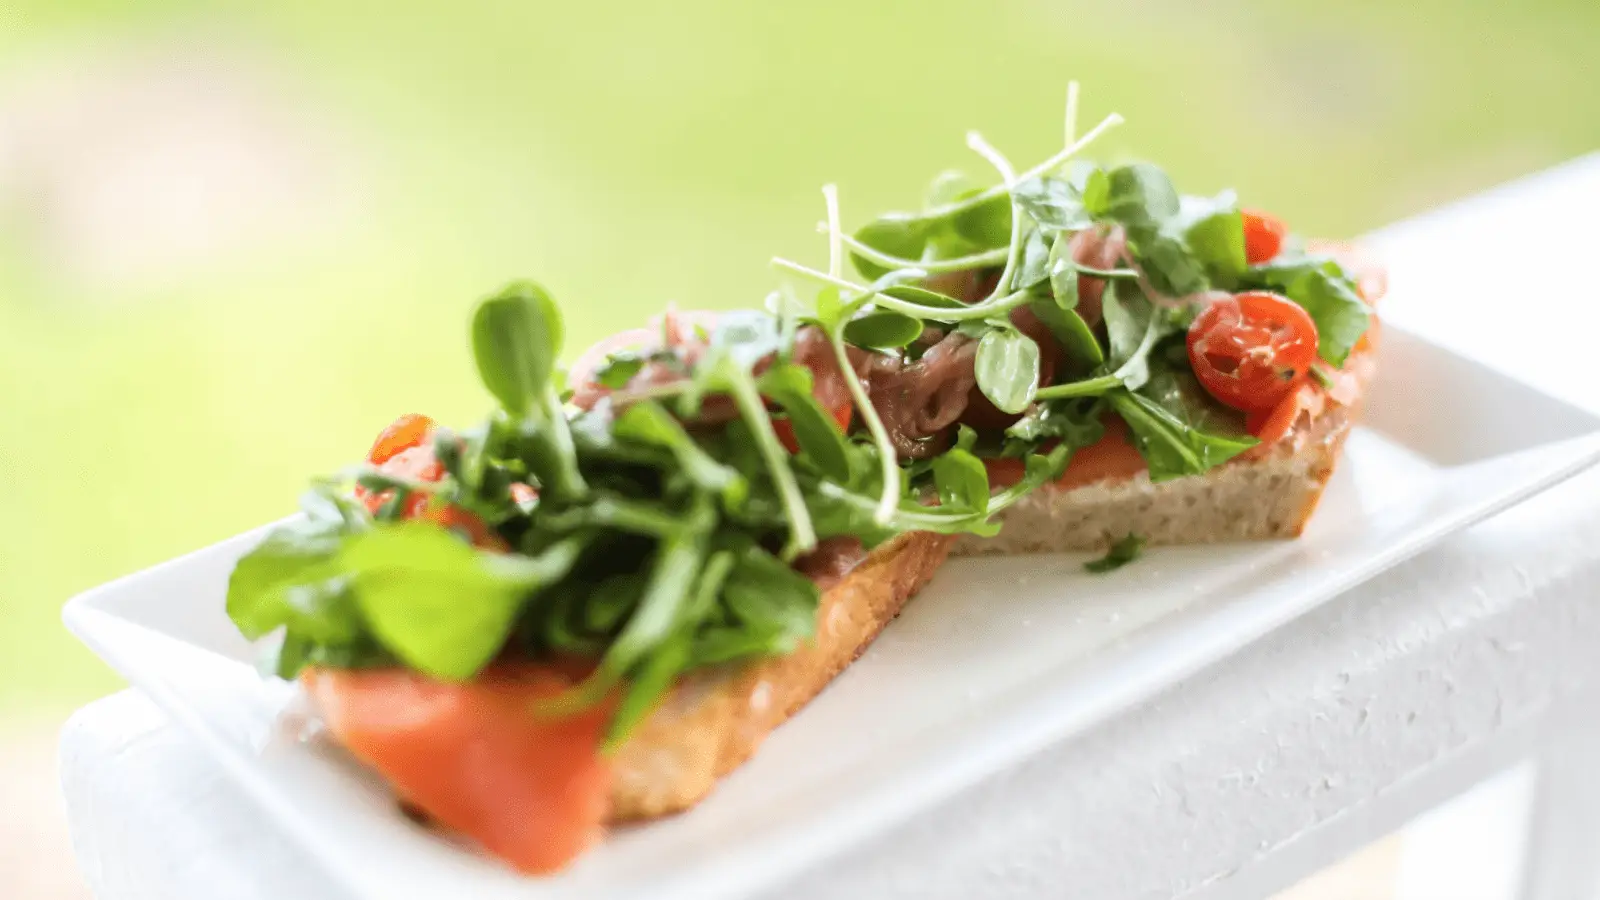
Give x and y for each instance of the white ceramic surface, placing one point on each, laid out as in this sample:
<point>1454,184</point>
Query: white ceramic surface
<point>996,659</point>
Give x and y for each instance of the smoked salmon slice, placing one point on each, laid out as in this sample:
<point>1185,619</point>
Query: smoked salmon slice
<point>534,791</point>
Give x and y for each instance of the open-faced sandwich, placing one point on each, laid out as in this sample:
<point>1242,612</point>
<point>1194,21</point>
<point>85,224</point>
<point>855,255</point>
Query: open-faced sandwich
<point>588,608</point>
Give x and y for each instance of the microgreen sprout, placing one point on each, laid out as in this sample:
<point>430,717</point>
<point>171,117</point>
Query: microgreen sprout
<point>888,459</point>
<point>1008,178</point>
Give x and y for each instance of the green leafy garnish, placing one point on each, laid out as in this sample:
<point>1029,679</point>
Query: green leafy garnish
<point>1007,368</point>
<point>658,532</point>
<point>442,607</point>
<point>1120,554</point>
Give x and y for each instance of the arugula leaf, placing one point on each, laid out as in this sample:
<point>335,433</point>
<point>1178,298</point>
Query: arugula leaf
<point>961,479</point>
<point>1139,195</point>
<point>1007,368</point>
<point>647,423</point>
<point>1035,266</point>
<point>290,579</point>
<point>1075,422</point>
<point>1054,203</point>
<point>747,336</point>
<point>1120,554</point>
<point>883,329</point>
<point>815,431</point>
<point>618,370</point>
<point>1132,328</point>
<point>1071,331</point>
<point>678,560</point>
<point>764,591</point>
<point>1214,234</point>
<point>1128,316</point>
<point>722,374</point>
<point>656,675</point>
<point>981,227</point>
<point>913,294</point>
<point>649,684</point>
<point>1167,260</point>
<point>1337,310</point>
<point>1171,445</point>
<point>1096,192</point>
<point>1063,273</point>
<point>516,336</point>
<point>442,607</point>
<point>897,234</point>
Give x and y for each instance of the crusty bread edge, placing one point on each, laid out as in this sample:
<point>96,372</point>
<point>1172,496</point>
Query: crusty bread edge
<point>714,721</point>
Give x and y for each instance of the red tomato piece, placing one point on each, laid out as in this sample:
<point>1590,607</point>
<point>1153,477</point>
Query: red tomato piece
<point>1250,350</point>
<point>533,791</point>
<point>466,524</point>
<point>1263,236</point>
<point>405,450</point>
<point>1276,423</point>
<point>403,433</point>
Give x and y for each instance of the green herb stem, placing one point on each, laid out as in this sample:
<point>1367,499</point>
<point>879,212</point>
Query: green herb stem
<point>1008,180</point>
<point>984,310</point>
<point>987,259</point>
<point>830,196</point>
<point>802,535</point>
<point>614,512</point>
<point>1090,387</point>
<point>888,459</point>
<point>1049,165</point>
<point>679,558</point>
<point>559,475</point>
<point>1109,274</point>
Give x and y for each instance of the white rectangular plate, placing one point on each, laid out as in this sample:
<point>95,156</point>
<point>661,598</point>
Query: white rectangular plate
<point>997,659</point>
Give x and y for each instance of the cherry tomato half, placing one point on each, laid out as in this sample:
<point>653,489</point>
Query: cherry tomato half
<point>1252,349</point>
<point>1263,236</point>
<point>403,433</point>
<point>403,450</point>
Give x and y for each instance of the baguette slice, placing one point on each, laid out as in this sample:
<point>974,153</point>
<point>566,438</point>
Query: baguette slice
<point>713,722</point>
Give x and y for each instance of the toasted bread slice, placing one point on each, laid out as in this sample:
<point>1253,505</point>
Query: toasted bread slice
<point>1264,495</point>
<point>1270,496</point>
<point>713,722</point>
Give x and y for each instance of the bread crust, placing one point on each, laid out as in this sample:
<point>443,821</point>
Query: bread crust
<point>715,720</point>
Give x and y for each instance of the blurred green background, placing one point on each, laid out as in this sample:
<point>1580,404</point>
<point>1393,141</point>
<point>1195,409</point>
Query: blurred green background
<point>236,240</point>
